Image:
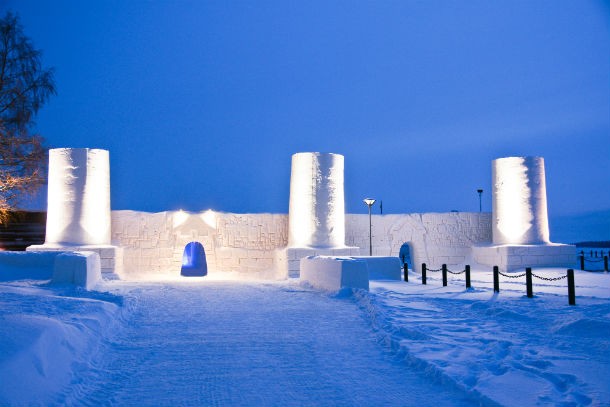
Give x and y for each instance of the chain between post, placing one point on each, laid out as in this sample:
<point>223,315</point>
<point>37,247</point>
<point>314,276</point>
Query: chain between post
<point>511,275</point>
<point>456,272</point>
<point>549,278</point>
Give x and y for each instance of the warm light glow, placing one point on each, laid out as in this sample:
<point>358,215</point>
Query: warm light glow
<point>515,220</point>
<point>179,218</point>
<point>209,217</point>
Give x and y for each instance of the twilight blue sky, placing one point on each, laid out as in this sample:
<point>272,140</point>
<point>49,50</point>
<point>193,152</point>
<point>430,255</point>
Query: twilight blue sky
<point>202,103</point>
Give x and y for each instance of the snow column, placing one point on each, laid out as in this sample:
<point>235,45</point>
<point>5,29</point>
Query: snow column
<point>78,209</point>
<point>519,201</point>
<point>317,202</point>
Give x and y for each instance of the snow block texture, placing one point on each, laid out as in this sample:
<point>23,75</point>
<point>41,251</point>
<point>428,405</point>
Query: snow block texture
<point>382,268</point>
<point>518,257</point>
<point>334,273</point>
<point>78,268</point>
<point>26,265</point>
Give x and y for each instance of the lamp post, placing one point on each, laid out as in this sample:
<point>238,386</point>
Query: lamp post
<point>369,202</point>
<point>480,191</point>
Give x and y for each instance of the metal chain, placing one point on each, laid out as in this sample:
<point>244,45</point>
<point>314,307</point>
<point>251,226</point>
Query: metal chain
<point>511,275</point>
<point>594,261</point>
<point>505,275</point>
<point>550,278</point>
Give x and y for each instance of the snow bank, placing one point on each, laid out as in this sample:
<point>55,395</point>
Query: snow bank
<point>334,273</point>
<point>48,338</point>
<point>503,348</point>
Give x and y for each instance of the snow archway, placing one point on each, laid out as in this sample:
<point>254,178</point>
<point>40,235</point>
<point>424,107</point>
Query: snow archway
<point>193,261</point>
<point>405,254</point>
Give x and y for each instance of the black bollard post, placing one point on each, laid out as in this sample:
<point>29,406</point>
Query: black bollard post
<point>582,260</point>
<point>405,266</point>
<point>571,288</point>
<point>606,263</point>
<point>496,279</point>
<point>444,275</point>
<point>528,282</point>
<point>423,273</point>
<point>467,268</point>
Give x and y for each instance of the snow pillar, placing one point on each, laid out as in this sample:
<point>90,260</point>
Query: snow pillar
<point>78,209</point>
<point>519,201</point>
<point>316,216</point>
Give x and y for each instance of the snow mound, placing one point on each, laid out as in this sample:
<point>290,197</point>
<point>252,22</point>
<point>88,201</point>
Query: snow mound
<point>47,336</point>
<point>586,327</point>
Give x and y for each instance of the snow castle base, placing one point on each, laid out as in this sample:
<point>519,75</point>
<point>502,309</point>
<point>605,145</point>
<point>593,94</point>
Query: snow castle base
<point>334,273</point>
<point>517,257</point>
<point>78,268</point>
<point>382,267</point>
<point>111,257</point>
<point>289,260</point>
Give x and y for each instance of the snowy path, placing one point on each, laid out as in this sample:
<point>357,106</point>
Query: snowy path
<point>231,343</point>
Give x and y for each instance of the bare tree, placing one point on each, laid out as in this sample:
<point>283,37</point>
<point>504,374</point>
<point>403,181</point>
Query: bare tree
<point>24,87</point>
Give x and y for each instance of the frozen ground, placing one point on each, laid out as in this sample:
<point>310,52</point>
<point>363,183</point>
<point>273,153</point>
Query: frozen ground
<point>207,342</point>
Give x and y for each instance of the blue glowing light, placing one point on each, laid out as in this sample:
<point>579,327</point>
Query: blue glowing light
<point>193,261</point>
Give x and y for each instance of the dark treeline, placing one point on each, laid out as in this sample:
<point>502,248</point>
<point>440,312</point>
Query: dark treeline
<point>602,244</point>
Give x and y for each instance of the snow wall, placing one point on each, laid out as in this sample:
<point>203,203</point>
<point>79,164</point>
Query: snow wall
<point>153,243</point>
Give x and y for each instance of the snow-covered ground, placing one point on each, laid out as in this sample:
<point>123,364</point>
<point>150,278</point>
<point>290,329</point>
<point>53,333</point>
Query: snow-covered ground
<point>503,347</point>
<point>205,341</point>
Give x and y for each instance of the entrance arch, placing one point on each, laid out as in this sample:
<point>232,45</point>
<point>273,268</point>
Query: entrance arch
<point>405,254</point>
<point>193,261</point>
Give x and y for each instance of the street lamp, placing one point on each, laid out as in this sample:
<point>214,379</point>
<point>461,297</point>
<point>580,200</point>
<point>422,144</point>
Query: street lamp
<point>480,191</point>
<point>369,202</point>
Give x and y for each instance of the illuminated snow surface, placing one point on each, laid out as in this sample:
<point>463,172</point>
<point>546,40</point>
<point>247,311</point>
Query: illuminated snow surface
<point>201,341</point>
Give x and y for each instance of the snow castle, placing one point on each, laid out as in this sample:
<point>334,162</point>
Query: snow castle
<point>513,236</point>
